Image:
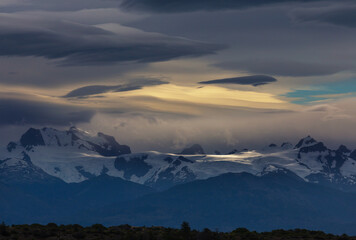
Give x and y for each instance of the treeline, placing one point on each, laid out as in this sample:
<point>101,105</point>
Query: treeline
<point>126,232</point>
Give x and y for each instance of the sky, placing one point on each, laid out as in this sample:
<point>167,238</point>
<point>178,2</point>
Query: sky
<point>165,74</point>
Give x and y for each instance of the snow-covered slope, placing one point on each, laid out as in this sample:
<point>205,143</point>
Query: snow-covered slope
<point>73,140</point>
<point>75,156</point>
<point>56,153</point>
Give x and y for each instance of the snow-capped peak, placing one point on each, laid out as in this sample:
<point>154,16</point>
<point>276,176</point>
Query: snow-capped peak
<point>75,155</point>
<point>343,149</point>
<point>286,145</point>
<point>272,169</point>
<point>305,142</point>
<point>31,138</point>
<point>194,149</point>
<point>75,138</point>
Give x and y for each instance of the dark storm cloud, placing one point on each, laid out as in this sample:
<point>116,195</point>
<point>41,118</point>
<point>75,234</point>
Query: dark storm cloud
<point>339,15</point>
<point>77,44</point>
<point>64,5</point>
<point>195,5</point>
<point>18,111</point>
<point>265,40</point>
<point>98,89</point>
<point>255,80</point>
<point>284,67</point>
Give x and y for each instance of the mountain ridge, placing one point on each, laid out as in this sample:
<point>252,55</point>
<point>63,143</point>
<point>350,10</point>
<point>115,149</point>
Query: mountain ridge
<point>65,177</point>
<point>261,203</point>
<point>75,156</point>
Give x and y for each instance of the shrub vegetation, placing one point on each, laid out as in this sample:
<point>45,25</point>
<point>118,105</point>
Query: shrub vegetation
<point>127,232</point>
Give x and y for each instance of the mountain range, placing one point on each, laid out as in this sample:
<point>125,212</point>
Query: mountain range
<point>72,176</point>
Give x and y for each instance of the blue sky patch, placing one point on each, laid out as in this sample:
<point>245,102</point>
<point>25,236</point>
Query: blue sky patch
<point>327,91</point>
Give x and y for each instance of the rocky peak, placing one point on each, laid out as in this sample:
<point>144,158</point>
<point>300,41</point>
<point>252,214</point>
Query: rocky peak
<point>343,149</point>
<point>307,141</point>
<point>101,143</point>
<point>11,146</point>
<point>353,155</point>
<point>233,152</point>
<point>32,137</point>
<point>317,147</point>
<point>194,149</point>
<point>286,145</point>
<point>269,169</point>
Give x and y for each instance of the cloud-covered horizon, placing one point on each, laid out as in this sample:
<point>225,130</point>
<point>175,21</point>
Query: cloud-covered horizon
<point>252,129</point>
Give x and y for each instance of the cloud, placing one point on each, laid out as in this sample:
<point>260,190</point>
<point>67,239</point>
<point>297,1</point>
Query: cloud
<point>21,5</point>
<point>300,50</point>
<point>98,89</point>
<point>78,44</point>
<point>288,68</point>
<point>321,108</point>
<point>255,80</point>
<point>332,112</point>
<point>242,129</point>
<point>195,5</point>
<point>88,16</point>
<point>21,111</point>
<point>337,15</point>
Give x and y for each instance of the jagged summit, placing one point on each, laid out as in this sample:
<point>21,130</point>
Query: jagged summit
<point>194,149</point>
<point>316,147</point>
<point>74,128</point>
<point>233,152</point>
<point>32,137</point>
<point>343,149</point>
<point>103,144</point>
<point>307,141</point>
<point>278,172</point>
<point>286,145</point>
<point>353,155</point>
<point>272,169</point>
<point>75,155</point>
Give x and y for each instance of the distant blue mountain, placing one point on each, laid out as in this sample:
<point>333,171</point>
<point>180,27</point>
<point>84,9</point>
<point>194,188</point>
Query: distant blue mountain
<point>273,201</point>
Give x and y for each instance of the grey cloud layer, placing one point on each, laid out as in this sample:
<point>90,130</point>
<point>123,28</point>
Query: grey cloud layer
<point>64,5</point>
<point>339,15</point>
<point>242,129</point>
<point>265,40</point>
<point>255,80</point>
<point>77,44</point>
<point>194,5</point>
<point>19,111</point>
<point>283,67</point>
<point>98,89</point>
